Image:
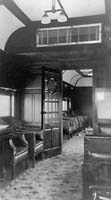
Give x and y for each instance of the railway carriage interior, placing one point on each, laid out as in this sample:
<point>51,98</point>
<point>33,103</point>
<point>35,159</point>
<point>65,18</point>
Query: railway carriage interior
<point>55,82</point>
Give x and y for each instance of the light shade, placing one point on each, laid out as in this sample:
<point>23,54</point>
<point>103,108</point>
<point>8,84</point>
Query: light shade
<point>45,19</point>
<point>62,17</point>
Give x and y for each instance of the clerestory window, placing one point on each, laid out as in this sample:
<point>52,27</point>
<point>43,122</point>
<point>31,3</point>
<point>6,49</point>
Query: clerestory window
<point>70,35</point>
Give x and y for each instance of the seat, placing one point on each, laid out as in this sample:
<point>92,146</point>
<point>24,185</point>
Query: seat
<point>18,151</point>
<point>97,166</point>
<point>96,179</point>
<point>35,141</point>
<point>33,134</point>
<point>100,192</point>
<point>15,145</point>
<point>97,148</point>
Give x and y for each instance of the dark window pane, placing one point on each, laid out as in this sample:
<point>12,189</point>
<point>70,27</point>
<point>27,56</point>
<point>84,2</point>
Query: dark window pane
<point>83,34</point>
<point>52,37</point>
<point>74,35</point>
<point>68,35</point>
<point>62,35</point>
<point>45,37</point>
<point>40,36</point>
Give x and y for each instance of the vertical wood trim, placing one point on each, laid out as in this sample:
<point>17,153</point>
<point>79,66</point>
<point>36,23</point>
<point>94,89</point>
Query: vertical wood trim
<point>33,107</point>
<point>22,106</point>
<point>108,23</point>
<point>108,10</point>
<point>32,96</point>
<point>18,105</point>
<point>94,106</point>
<point>11,105</point>
<point>42,99</point>
<point>61,128</point>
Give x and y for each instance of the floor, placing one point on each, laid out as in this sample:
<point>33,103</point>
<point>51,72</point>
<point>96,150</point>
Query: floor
<point>57,178</point>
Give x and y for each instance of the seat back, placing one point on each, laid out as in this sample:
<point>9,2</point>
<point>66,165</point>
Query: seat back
<point>96,145</point>
<point>105,129</point>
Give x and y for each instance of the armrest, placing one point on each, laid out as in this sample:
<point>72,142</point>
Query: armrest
<point>33,136</point>
<point>12,146</point>
<point>106,156</point>
<point>32,130</point>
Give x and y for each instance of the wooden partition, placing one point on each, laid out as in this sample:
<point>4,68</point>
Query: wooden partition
<point>52,112</point>
<point>42,107</point>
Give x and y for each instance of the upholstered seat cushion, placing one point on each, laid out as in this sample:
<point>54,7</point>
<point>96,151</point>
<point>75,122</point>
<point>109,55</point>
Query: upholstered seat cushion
<point>20,150</point>
<point>38,147</point>
<point>38,142</point>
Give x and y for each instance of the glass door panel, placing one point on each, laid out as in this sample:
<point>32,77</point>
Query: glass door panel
<point>52,112</point>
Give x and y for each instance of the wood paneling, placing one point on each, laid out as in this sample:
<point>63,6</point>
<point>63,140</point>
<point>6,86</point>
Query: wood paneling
<point>82,102</point>
<point>23,42</point>
<point>15,71</point>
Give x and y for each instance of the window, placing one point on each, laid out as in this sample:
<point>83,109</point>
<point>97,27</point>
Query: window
<point>83,34</point>
<point>62,35</point>
<point>64,105</point>
<point>6,105</point>
<point>52,37</point>
<point>74,35</point>
<point>70,35</point>
<point>32,107</point>
<point>51,107</point>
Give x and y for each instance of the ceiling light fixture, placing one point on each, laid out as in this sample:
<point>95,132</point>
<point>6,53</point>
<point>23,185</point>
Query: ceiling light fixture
<point>62,15</point>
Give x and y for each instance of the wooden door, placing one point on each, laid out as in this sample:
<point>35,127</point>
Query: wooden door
<point>51,112</point>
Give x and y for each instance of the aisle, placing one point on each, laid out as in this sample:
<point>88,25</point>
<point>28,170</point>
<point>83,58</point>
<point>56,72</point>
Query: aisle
<point>57,178</point>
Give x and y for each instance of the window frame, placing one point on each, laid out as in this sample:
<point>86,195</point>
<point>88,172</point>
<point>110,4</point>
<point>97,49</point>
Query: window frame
<point>69,35</point>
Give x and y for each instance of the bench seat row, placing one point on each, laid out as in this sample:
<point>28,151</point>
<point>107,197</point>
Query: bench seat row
<point>73,124</point>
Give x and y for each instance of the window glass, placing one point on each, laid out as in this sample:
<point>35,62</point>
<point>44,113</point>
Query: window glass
<point>5,105</point>
<point>28,107</point>
<point>83,34</point>
<point>74,35</point>
<point>44,37</point>
<point>94,33</point>
<point>64,103</point>
<point>62,35</point>
<point>52,36</point>
<point>40,37</point>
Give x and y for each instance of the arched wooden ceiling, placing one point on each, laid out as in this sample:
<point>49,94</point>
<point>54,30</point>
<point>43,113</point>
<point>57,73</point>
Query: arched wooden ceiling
<point>18,13</point>
<point>79,77</point>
